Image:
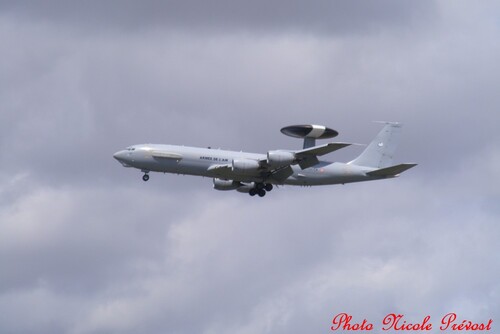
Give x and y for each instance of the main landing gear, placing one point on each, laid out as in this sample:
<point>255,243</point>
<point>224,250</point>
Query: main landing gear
<point>260,189</point>
<point>145,177</point>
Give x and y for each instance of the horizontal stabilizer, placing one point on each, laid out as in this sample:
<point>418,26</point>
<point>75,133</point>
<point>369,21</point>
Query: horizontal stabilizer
<point>391,171</point>
<point>321,149</point>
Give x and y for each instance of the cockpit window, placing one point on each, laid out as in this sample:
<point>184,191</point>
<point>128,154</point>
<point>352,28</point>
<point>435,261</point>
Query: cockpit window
<point>130,148</point>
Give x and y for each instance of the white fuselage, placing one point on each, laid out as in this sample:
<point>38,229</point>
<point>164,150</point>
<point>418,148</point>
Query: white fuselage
<point>202,162</point>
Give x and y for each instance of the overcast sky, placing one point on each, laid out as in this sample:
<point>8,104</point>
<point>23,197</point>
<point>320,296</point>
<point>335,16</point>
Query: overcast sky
<point>87,247</point>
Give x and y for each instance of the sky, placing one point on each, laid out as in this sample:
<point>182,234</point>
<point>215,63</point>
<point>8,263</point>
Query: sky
<point>87,247</point>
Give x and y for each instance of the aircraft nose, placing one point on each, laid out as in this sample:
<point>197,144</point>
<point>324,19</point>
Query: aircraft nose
<point>121,156</point>
<point>118,155</point>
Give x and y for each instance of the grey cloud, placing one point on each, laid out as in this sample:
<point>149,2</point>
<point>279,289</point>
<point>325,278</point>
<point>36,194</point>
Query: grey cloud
<point>264,16</point>
<point>166,93</point>
<point>60,236</point>
<point>229,275</point>
<point>91,248</point>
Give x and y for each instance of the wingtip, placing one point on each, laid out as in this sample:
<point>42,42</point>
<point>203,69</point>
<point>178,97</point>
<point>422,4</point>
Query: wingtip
<point>399,124</point>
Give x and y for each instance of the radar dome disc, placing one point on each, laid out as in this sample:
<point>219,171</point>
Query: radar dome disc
<point>309,131</point>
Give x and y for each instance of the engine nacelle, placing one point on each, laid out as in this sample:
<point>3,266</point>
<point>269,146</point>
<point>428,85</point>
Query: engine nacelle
<point>245,166</point>
<point>280,158</point>
<point>220,184</point>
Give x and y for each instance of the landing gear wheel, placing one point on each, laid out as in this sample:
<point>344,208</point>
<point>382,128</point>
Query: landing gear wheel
<point>260,186</point>
<point>268,187</point>
<point>252,192</point>
<point>145,177</point>
<point>261,192</point>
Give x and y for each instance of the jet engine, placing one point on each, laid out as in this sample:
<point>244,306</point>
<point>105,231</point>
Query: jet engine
<point>245,166</point>
<point>221,184</point>
<point>280,158</point>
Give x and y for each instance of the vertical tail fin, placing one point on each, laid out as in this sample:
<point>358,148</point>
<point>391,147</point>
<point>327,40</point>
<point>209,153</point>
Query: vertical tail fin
<point>380,151</point>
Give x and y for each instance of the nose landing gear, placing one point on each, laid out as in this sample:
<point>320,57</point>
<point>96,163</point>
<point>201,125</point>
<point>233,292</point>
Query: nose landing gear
<point>145,177</point>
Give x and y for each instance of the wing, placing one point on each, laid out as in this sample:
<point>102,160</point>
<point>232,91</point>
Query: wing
<point>277,165</point>
<point>309,157</point>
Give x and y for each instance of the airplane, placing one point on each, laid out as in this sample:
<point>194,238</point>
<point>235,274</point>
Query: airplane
<point>257,174</point>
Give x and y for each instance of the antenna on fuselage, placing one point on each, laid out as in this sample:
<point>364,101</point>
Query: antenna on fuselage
<point>309,132</point>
